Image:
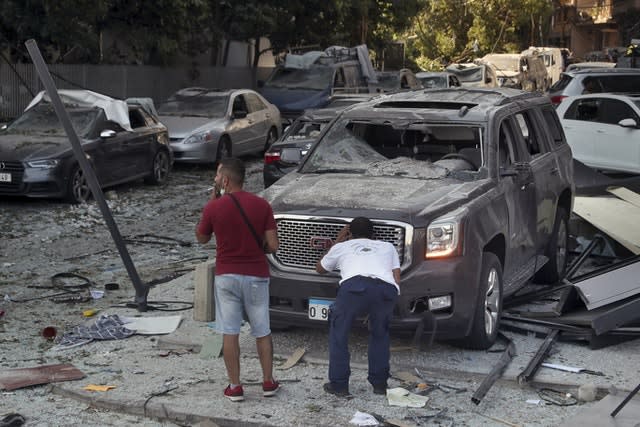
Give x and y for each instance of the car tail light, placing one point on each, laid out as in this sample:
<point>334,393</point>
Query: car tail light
<point>555,100</point>
<point>271,157</point>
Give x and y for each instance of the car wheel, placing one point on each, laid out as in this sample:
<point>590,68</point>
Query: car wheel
<point>78,190</point>
<point>224,149</point>
<point>556,251</point>
<point>272,136</point>
<point>159,169</point>
<point>488,310</point>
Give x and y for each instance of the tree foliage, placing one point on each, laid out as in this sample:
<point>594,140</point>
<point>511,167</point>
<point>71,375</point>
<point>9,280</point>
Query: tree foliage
<point>163,31</point>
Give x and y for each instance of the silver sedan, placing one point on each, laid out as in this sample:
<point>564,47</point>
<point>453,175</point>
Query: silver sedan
<point>208,124</point>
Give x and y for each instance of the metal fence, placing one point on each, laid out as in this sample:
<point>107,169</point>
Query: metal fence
<point>20,82</point>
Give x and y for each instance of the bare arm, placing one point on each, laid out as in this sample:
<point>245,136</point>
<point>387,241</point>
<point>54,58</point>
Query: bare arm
<point>202,238</point>
<point>343,234</point>
<point>396,275</point>
<point>271,242</point>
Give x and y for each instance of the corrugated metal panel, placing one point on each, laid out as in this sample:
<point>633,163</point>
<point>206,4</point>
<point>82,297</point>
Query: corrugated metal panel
<point>20,82</point>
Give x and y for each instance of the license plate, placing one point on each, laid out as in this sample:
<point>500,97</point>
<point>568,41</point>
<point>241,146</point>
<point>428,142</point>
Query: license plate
<point>5,177</point>
<point>319,308</point>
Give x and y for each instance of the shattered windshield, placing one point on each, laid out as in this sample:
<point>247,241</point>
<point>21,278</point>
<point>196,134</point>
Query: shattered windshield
<point>468,74</point>
<point>200,105</point>
<point>42,119</point>
<point>306,129</point>
<point>434,82</point>
<point>317,77</point>
<point>408,149</point>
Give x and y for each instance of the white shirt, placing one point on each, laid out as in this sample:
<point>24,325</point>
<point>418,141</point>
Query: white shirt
<point>363,257</point>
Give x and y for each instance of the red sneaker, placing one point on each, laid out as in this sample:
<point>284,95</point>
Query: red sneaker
<point>235,394</point>
<point>269,388</point>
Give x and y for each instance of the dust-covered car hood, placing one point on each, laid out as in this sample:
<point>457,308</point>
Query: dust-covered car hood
<point>183,126</point>
<point>407,196</point>
<point>17,147</point>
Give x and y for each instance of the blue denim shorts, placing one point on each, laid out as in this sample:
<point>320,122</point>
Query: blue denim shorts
<point>238,296</point>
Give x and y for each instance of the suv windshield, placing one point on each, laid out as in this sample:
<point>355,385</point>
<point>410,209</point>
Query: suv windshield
<point>317,77</point>
<point>407,149</point>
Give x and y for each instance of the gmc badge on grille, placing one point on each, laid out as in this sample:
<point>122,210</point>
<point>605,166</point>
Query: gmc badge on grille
<point>317,242</point>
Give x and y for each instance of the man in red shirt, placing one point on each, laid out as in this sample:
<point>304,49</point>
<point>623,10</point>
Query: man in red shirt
<point>245,230</point>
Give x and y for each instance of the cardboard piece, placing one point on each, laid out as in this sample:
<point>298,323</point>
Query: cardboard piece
<point>152,325</point>
<point>13,379</point>
<point>211,347</point>
<point>293,359</point>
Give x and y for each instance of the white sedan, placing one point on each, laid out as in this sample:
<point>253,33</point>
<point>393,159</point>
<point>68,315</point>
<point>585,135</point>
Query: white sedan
<point>603,130</point>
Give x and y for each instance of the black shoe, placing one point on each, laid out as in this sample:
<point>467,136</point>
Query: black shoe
<point>340,393</point>
<point>380,389</point>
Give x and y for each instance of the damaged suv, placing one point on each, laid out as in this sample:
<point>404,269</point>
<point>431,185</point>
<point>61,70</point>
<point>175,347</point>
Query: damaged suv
<point>472,186</point>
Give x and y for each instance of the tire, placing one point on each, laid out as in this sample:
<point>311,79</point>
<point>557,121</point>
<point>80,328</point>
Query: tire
<point>556,251</point>
<point>486,319</point>
<point>159,169</point>
<point>224,149</point>
<point>272,137</point>
<point>78,190</point>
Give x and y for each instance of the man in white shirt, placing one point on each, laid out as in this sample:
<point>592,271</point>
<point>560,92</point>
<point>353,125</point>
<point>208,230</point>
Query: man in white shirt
<point>369,285</point>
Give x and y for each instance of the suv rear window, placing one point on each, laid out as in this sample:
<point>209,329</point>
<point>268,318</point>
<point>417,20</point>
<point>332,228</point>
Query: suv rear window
<point>562,83</point>
<point>620,83</point>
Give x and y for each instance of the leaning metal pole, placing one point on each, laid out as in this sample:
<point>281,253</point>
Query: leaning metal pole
<point>142,290</point>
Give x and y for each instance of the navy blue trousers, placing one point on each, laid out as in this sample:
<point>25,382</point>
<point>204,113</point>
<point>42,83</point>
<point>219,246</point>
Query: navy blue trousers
<point>356,297</point>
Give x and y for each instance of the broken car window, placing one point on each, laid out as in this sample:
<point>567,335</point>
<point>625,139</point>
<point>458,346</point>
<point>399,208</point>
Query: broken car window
<point>43,119</point>
<point>201,105</point>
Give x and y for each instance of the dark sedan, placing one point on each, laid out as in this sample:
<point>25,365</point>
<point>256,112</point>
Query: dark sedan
<point>123,143</point>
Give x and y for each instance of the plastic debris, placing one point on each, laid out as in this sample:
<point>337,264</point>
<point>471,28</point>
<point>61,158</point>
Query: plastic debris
<point>401,397</point>
<point>363,419</point>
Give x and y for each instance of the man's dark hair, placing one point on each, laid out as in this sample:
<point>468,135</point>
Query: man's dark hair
<point>361,227</point>
<point>233,169</point>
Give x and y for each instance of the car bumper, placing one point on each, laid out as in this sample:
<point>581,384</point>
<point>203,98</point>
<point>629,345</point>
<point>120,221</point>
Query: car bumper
<point>34,182</point>
<point>457,277</point>
<point>194,153</point>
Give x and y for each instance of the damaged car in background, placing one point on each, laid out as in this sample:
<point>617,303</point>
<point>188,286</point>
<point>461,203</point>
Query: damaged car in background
<point>123,142</point>
<point>472,186</point>
<point>206,125</point>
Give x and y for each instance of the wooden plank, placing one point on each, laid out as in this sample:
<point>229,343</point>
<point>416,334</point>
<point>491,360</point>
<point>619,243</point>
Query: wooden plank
<point>294,358</point>
<point>13,379</point>
<point>203,301</point>
<point>616,218</point>
<point>626,195</point>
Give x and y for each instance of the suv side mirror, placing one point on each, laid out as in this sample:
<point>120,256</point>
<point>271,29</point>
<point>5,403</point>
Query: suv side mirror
<point>522,170</point>
<point>628,123</point>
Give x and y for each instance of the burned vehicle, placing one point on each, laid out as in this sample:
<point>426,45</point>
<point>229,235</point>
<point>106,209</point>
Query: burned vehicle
<point>124,142</point>
<point>472,186</point>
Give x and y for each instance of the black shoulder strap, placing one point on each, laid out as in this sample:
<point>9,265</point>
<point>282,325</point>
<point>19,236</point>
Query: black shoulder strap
<point>244,216</point>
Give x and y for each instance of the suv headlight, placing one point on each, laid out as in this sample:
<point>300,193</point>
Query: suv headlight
<point>44,164</point>
<point>444,238</point>
<point>198,138</point>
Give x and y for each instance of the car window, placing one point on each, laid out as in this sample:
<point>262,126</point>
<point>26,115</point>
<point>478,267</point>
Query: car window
<point>583,109</point>
<point>553,124</point>
<point>562,83</point>
<point>239,104</point>
<point>506,152</point>
<point>620,83</point>
<point>614,110</point>
<point>530,135</point>
<point>136,119</point>
<point>254,103</point>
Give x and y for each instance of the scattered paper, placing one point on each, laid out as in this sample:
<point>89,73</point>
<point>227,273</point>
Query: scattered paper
<point>401,397</point>
<point>534,401</point>
<point>152,325</point>
<point>96,387</point>
<point>363,419</point>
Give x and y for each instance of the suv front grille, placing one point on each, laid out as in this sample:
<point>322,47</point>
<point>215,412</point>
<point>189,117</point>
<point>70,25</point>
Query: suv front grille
<point>296,237</point>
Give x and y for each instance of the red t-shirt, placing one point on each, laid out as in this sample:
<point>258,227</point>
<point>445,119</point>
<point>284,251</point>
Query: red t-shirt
<point>237,251</point>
